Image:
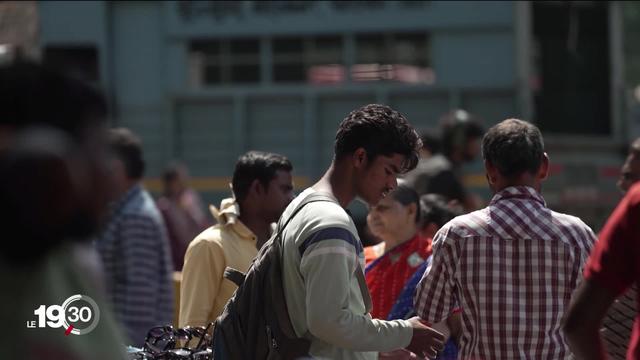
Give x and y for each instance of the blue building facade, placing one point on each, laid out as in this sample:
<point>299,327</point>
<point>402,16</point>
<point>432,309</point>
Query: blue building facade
<point>205,81</point>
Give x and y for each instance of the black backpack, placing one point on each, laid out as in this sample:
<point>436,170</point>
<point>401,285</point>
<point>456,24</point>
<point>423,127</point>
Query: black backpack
<point>255,323</point>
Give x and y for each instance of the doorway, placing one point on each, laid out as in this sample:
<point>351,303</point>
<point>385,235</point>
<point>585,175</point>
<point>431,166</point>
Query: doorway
<point>570,51</point>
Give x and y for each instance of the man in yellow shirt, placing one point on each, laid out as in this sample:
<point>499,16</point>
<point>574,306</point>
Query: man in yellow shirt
<point>262,188</point>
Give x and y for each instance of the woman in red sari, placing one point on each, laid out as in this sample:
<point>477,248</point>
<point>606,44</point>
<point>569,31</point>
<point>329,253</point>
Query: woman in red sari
<point>395,265</point>
<point>395,220</point>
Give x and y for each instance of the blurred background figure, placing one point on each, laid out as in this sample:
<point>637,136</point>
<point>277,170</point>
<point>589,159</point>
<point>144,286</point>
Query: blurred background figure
<point>182,211</point>
<point>262,188</point>
<point>54,177</point>
<point>133,246</point>
<point>439,173</point>
<point>436,212</point>
<point>430,144</point>
<point>395,265</point>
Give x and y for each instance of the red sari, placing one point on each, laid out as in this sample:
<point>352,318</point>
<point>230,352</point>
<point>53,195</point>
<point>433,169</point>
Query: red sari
<point>387,275</point>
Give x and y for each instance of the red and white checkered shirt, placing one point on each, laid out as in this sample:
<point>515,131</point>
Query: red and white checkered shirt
<point>512,268</point>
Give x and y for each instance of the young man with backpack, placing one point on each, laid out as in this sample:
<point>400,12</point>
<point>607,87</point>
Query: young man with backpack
<point>313,299</point>
<point>323,255</point>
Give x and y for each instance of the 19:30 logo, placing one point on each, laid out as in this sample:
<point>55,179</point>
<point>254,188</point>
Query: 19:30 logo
<point>78,315</point>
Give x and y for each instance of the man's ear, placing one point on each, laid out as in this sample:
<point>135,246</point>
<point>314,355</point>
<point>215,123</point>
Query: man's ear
<point>492,172</point>
<point>412,209</point>
<point>359,158</point>
<point>255,188</point>
<point>543,173</point>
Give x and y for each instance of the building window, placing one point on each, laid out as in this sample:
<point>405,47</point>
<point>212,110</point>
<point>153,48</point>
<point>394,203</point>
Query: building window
<point>314,60</point>
<point>218,62</point>
<point>288,60</point>
<point>400,57</point>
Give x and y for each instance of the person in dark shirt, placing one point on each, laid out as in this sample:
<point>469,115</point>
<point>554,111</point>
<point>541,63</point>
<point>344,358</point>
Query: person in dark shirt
<point>55,175</point>
<point>439,173</point>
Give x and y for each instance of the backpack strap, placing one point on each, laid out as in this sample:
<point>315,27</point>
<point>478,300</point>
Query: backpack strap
<point>237,276</point>
<point>316,196</point>
<point>364,289</point>
<point>281,312</point>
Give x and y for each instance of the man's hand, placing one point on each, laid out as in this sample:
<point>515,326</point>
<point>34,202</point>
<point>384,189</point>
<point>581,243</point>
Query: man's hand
<point>454,323</point>
<point>425,341</point>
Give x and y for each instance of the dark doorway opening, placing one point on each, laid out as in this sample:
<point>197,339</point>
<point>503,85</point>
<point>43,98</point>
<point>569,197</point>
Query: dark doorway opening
<point>571,83</point>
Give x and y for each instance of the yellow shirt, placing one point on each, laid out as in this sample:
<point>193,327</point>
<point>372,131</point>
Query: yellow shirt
<point>204,290</point>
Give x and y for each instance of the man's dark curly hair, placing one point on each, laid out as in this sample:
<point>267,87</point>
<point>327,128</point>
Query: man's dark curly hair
<point>380,130</point>
<point>256,165</point>
<point>513,147</point>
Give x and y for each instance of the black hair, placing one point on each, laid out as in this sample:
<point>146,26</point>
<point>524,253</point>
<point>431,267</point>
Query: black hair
<point>380,130</point>
<point>127,147</point>
<point>514,147</point>
<point>172,171</point>
<point>434,209</point>
<point>256,165</point>
<point>32,95</point>
<point>458,127</point>
<point>47,116</point>
<point>406,196</point>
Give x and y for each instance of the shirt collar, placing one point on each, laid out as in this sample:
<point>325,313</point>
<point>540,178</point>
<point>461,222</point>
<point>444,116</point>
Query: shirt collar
<point>518,192</point>
<point>228,215</point>
<point>243,231</point>
<point>132,193</point>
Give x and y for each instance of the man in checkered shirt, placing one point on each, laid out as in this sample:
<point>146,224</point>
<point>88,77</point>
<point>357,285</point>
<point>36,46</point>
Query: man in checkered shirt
<point>512,266</point>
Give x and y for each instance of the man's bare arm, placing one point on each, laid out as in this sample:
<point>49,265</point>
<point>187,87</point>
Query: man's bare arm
<point>583,320</point>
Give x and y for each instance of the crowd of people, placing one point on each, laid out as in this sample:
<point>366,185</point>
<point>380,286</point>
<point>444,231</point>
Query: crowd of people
<point>450,278</point>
